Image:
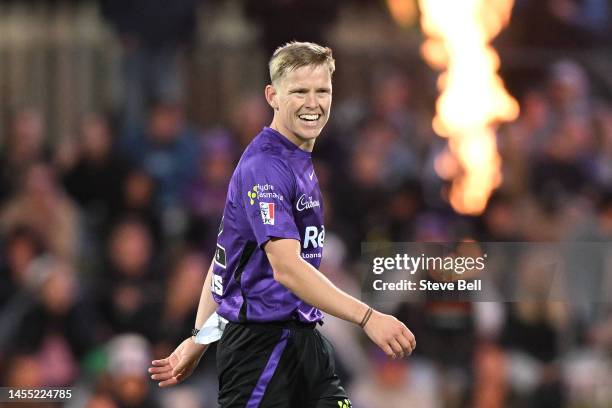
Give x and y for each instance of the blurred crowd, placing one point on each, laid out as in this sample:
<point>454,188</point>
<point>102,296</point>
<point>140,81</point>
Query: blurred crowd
<point>106,236</point>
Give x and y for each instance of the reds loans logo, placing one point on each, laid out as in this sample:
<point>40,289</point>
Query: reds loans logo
<point>267,213</point>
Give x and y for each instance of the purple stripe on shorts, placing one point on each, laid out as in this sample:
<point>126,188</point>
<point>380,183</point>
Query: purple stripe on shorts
<point>268,372</point>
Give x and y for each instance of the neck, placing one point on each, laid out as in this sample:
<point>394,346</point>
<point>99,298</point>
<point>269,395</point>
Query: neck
<point>303,144</point>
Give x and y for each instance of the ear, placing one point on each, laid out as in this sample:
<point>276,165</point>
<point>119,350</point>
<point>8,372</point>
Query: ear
<point>271,95</point>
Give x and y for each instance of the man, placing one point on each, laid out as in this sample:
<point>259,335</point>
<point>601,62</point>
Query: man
<point>264,277</point>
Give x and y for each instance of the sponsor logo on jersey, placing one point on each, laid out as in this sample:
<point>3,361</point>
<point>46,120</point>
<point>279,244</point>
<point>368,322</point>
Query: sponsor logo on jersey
<point>345,403</point>
<point>252,195</point>
<point>265,191</point>
<point>217,284</point>
<point>305,204</point>
<point>220,256</point>
<point>313,237</point>
<point>267,213</point>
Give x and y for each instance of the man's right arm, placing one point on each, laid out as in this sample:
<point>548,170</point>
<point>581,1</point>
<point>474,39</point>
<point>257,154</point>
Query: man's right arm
<point>179,365</point>
<point>207,304</point>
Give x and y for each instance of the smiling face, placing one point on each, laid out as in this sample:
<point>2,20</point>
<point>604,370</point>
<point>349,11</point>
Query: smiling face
<point>301,100</point>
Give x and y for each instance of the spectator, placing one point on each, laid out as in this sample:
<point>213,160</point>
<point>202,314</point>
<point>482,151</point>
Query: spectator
<point>603,155</point>
<point>249,117</point>
<point>96,178</point>
<point>166,151</point>
<point>129,292</point>
<point>136,199</point>
<point>42,205</point>
<point>205,195</point>
<point>21,247</point>
<point>565,167</point>
<point>520,140</point>
<point>59,328</point>
<point>126,384</point>
<point>396,384</point>
<point>25,145</point>
<point>533,333</point>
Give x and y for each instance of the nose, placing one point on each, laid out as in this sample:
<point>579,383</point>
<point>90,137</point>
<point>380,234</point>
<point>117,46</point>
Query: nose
<point>311,100</point>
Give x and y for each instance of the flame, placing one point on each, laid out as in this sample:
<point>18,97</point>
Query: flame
<point>404,12</point>
<point>473,99</point>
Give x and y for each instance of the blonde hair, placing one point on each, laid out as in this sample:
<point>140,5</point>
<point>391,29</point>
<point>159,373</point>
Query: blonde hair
<point>295,55</point>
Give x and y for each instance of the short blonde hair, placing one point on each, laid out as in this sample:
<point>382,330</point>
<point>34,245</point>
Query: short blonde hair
<point>295,55</point>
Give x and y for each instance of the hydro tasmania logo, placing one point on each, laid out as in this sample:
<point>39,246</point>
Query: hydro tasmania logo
<point>263,191</point>
<point>303,204</point>
<point>345,403</point>
<point>252,195</point>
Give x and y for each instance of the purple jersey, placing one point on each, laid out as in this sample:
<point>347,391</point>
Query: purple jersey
<point>273,193</point>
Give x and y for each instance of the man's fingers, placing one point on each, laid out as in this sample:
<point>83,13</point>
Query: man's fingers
<point>388,350</point>
<point>161,362</point>
<point>180,367</point>
<point>169,379</point>
<point>169,382</point>
<point>162,376</point>
<point>405,343</point>
<point>158,370</point>
<point>409,336</point>
<point>398,352</point>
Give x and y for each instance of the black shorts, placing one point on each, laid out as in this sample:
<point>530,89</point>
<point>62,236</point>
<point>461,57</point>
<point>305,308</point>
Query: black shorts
<point>277,365</point>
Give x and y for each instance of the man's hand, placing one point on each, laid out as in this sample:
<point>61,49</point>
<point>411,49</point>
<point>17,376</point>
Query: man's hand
<point>179,365</point>
<point>391,335</point>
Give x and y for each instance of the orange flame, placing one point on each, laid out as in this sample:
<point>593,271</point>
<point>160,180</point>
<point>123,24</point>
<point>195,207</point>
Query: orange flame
<point>473,99</point>
<point>404,12</point>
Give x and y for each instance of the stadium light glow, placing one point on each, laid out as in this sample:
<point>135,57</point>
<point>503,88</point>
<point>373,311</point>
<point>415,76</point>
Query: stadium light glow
<point>473,100</point>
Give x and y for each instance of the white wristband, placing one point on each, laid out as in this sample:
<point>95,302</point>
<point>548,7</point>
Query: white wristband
<point>212,330</point>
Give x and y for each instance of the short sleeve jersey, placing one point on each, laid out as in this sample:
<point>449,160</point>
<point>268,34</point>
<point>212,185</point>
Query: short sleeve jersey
<point>273,193</point>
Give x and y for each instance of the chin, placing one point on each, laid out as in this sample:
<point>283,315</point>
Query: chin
<point>310,133</point>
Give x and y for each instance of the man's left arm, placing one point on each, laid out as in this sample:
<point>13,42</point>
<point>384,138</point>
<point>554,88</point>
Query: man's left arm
<point>310,285</point>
